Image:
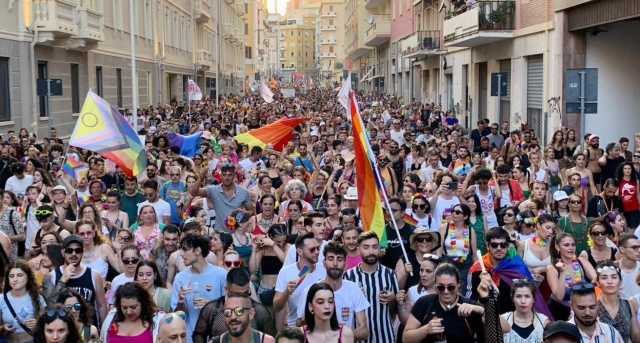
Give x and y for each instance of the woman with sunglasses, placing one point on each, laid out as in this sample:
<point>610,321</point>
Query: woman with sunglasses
<point>576,223</point>
<point>445,316</point>
<point>600,249</point>
<point>459,240</point>
<point>566,269</point>
<point>267,260</point>
<point>524,324</point>
<point>535,250</point>
<point>148,276</point>
<point>420,210</point>
<point>75,306</point>
<point>98,255</point>
<point>133,319</point>
<point>507,218</point>
<point>321,321</point>
<point>425,286</point>
<point>612,309</point>
<point>129,257</point>
<point>421,242</point>
<point>21,303</point>
<point>56,326</point>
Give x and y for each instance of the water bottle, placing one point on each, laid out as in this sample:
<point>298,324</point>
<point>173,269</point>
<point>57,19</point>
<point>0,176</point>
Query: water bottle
<point>439,337</point>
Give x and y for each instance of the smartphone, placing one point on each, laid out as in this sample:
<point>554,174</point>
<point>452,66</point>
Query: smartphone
<point>453,185</point>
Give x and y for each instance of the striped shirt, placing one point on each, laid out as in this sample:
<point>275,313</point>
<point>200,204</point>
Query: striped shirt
<point>379,318</point>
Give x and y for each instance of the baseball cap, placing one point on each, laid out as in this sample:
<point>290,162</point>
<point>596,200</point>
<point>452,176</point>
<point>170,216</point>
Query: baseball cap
<point>560,195</point>
<point>71,239</point>
<point>352,193</point>
<point>562,328</point>
<point>58,188</point>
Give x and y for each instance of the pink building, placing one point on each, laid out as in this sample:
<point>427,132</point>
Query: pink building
<point>402,29</point>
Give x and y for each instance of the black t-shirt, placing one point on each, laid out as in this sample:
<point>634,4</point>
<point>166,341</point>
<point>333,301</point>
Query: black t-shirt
<point>598,207</point>
<point>457,329</point>
<point>394,251</point>
<point>609,169</point>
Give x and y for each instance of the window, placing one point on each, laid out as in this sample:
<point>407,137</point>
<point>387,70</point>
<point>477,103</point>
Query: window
<point>330,8</point>
<point>75,88</point>
<point>330,22</point>
<point>5,99</point>
<point>99,80</point>
<point>119,86</point>
<point>330,48</point>
<point>43,74</point>
<point>247,52</point>
<point>246,28</point>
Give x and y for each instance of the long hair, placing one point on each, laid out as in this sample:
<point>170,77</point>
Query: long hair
<point>96,214</point>
<point>97,235</point>
<point>620,175</point>
<point>157,282</point>
<point>132,290</point>
<point>555,253</point>
<point>73,336</point>
<point>309,319</point>
<point>85,309</point>
<point>31,286</point>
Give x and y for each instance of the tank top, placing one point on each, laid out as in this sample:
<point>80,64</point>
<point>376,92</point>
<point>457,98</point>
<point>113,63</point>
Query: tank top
<point>535,335</point>
<point>256,337</point>
<point>487,203</point>
<point>622,319</point>
<point>307,341</point>
<point>531,260</point>
<point>100,266</point>
<point>145,337</point>
<point>83,285</point>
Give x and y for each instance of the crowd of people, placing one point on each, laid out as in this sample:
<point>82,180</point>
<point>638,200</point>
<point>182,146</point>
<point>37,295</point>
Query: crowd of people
<point>248,244</point>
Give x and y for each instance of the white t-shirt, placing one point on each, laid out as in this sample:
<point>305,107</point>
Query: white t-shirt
<point>413,295</point>
<point>348,300</point>
<point>427,172</point>
<point>292,256</point>
<point>19,186</point>
<point>117,281</point>
<point>163,209</point>
<point>289,273</point>
<point>630,287</point>
<point>443,207</point>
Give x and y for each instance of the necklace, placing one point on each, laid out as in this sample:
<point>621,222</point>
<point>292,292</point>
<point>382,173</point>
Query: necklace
<point>456,249</point>
<point>540,242</point>
<point>576,274</point>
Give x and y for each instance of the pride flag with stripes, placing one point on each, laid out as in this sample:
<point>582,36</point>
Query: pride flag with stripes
<point>74,167</point>
<point>368,180</point>
<point>278,134</point>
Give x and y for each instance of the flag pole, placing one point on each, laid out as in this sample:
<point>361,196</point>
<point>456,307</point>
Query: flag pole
<point>134,76</point>
<point>376,170</point>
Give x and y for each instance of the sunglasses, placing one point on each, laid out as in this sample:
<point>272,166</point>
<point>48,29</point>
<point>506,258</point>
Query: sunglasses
<point>43,213</point>
<point>75,307</point>
<point>69,251</point>
<point>421,206</point>
<point>575,202</point>
<point>238,311</point>
<point>125,239</point>
<point>174,174</point>
<point>509,214</point>
<point>130,261</point>
<point>426,239</point>
<point>56,313</point>
<point>583,286</point>
<point>458,212</point>
<point>598,233</point>
<point>501,245</point>
<point>232,264</point>
<point>396,209</point>
<point>449,288</point>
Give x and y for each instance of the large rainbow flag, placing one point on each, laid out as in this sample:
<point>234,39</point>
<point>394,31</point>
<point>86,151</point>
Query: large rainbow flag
<point>368,182</point>
<point>102,129</point>
<point>278,134</point>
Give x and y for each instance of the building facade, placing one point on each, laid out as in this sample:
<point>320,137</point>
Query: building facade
<point>331,30</point>
<point>298,48</point>
<point>87,44</point>
<point>357,59</point>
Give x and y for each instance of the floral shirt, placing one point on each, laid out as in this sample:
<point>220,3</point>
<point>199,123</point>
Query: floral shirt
<point>146,244</point>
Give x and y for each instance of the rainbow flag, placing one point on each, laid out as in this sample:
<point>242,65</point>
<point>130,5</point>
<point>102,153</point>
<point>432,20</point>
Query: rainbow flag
<point>368,182</point>
<point>74,167</point>
<point>408,219</point>
<point>102,129</point>
<point>278,134</point>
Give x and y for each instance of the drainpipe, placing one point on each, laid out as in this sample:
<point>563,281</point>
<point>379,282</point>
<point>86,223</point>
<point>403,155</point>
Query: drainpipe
<point>34,64</point>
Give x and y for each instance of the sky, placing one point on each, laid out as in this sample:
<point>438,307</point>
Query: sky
<point>282,5</point>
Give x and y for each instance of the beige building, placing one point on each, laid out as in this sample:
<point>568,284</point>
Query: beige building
<point>297,51</point>
<point>86,44</point>
<point>331,52</point>
<point>357,59</point>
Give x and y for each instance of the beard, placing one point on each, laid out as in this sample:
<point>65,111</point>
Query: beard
<point>335,273</point>
<point>240,330</point>
<point>371,259</point>
<point>588,322</point>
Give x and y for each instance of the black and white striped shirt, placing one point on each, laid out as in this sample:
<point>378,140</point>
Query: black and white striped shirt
<point>379,317</point>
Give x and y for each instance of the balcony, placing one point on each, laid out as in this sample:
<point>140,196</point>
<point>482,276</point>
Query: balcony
<point>68,23</point>
<point>204,59</point>
<point>379,30</point>
<point>486,22</point>
<point>328,28</point>
<point>371,4</point>
<point>428,44</point>
<point>328,14</point>
<point>202,11</point>
<point>327,41</point>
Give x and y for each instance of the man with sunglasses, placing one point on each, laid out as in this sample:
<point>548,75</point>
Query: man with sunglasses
<point>84,281</point>
<point>238,313</point>
<point>172,192</point>
<point>629,252</point>
<point>199,283</point>
<point>497,245</point>
<point>584,306</point>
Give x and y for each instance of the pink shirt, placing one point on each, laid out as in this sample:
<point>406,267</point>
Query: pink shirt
<point>353,261</point>
<point>145,337</point>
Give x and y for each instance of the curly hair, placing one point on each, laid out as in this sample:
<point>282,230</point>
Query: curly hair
<point>31,286</point>
<point>84,315</point>
<point>73,336</point>
<point>132,290</point>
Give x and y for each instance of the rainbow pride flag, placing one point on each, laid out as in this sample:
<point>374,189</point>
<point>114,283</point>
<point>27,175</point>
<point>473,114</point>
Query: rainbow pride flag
<point>368,182</point>
<point>278,134</point>
<point>74,167</point>
<point>102,129</point>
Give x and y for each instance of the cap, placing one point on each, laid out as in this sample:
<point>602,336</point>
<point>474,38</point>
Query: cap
<point>71,239</point>
<point>593,136</point>
<point>562,328</point>
<point>421,231</point>
<point>560,195</point>
<point>58,188</point>
<point>352,194</point>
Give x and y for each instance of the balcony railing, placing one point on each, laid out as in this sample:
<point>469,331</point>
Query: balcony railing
<point>379,31</point>
<point>428,44</point>
<point>202,11</point>
<point>74,24</point>
<point>482,23</point>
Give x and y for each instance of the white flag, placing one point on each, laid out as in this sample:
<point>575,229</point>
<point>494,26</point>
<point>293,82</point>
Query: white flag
<point>343,95</point>
<point>193,91</point>
<point>266,93</point>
